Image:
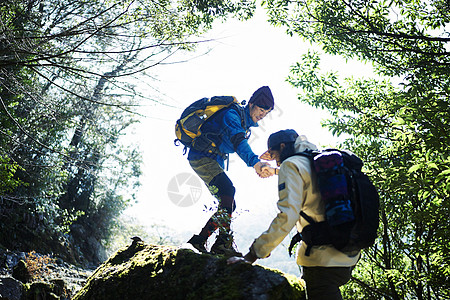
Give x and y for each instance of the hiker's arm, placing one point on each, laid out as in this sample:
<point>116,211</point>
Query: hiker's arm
<point>232,121</point>
<point>290,195</point>
<point>246,154</point>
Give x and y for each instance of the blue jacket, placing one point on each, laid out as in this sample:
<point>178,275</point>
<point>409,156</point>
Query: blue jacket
<point>231,137</point>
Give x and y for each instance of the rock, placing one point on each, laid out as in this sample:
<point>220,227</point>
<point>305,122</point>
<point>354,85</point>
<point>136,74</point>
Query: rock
<point>163,272</point>
<point>91,249</point>
<point>20,272</point>
<point>60,281</point>
<point>10,288</point>
<point>44,291</point>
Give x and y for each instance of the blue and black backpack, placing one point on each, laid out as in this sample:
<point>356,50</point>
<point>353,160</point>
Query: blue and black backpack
<point>351,204</point>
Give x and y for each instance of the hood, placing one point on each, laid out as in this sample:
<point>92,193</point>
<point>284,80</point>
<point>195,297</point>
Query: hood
<point>301,144</point>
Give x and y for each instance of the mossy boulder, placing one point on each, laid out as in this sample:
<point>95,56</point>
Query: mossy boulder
<point>45,290</point>
<point>20,272</point>
<point>163,272</point>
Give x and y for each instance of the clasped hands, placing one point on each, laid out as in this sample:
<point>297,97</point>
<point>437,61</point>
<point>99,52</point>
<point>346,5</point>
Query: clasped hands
<point>264,170</point>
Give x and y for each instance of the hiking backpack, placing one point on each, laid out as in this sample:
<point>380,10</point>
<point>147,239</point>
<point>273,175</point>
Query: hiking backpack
<point>351,204</point>
<point>188,126</point>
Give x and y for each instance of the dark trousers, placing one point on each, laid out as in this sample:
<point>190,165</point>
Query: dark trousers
<point>322,283</point>
<point>221,187</point>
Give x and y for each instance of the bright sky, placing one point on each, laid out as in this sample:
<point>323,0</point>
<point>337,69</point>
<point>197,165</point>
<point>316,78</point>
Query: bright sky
<point>247,56</point>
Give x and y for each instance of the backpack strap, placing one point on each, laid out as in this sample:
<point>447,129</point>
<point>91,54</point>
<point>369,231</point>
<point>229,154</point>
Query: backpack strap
<point>307,218</point>
<point>241,114</point>
<point>298,237</point>
<point>240,110</point>
<point>295,239</point>
<point>313,234</point>
<point>205,142</point>
<point>239,137</point>
<point>308,153</point>
<point>307,239</point>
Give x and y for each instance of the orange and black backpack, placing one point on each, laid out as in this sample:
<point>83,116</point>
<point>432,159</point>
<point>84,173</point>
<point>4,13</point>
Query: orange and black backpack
<point>188,126</point>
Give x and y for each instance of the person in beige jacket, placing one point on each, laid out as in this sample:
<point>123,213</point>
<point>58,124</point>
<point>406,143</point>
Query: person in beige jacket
<point>326,268</point>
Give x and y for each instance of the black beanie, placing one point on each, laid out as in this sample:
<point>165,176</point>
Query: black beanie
<point>262,97</point>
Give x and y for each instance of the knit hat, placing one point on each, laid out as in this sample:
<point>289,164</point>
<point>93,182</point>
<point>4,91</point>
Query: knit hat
<point>262,97</point>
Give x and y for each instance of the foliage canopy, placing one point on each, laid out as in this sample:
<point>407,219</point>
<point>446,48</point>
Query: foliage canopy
<point>67,98</point>
<point>398,123</point>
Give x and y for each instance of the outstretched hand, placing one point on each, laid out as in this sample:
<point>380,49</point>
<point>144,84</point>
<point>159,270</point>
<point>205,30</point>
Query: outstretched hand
<point>249,258</point>
<point>237,259</point>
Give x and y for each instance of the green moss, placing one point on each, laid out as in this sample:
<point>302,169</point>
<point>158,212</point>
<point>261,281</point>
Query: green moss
<point>163,272</point>
<point>296,283</point>
<point>41,290</point>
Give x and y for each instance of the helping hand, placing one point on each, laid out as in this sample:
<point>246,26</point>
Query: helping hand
<point>269,169</point>
<point>262,169</point>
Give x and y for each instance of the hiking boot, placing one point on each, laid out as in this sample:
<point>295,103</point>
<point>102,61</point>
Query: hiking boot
<point>224,245</point>
<point>198,242</point>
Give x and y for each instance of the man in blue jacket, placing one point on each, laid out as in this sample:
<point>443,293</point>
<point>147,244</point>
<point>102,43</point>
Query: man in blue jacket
<point>229,134</point>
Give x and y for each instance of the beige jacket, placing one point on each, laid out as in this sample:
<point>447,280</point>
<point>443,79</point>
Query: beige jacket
<point>297,190</point>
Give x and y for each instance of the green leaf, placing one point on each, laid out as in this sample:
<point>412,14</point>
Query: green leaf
<point>415,168</point>
<point>432,165</point>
